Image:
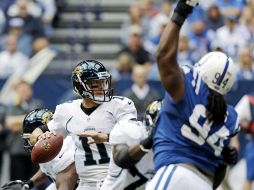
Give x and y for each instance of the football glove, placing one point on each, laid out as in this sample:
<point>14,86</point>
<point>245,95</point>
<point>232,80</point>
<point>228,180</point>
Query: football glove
<point>182,10</point>
<point>219,175</point>
<point>230,155</point>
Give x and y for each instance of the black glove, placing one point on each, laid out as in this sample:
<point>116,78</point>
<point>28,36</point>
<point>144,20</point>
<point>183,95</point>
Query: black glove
<point>18,185</point>
<point>182,10</point>
<point>230,155</point>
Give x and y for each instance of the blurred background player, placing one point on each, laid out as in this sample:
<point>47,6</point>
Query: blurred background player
<point>97,111</point>
<point>195,124</point>
<point>128,139</point>
<point>61,170</point>
<point>245,110</point>
<point>141,93</point>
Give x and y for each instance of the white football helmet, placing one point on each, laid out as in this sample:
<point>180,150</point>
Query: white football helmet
<point>218,71</point>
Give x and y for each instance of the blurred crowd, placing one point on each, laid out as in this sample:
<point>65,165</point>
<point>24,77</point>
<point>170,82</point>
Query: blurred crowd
<point>26,27</point>
<point>23,24</point>
<point>222,25</point>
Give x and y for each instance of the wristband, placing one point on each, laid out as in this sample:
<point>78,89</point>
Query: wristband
<point>147,143</point>
<point>144,149</point>
<point>30,183</point>
<point>178,19</point>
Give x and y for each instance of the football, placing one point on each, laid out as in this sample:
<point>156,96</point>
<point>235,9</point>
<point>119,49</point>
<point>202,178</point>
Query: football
<point>47,149</point>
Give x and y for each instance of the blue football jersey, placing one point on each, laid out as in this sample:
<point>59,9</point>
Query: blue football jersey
<point>184,134</point>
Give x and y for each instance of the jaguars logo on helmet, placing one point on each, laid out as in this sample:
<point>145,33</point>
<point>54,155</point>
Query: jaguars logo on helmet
<point>46,117</point>
<point>77,70</point>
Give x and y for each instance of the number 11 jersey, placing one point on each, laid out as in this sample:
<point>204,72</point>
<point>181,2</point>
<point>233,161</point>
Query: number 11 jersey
<point>92,160</point>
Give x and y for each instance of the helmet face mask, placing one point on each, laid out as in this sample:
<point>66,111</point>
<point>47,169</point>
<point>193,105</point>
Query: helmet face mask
<point>91,80</point>
<point>33,120</point>
<point>27,144</point>
<point>218,71</point>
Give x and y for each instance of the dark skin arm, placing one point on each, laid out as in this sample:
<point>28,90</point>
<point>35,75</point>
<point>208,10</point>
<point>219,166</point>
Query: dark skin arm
<point>171,75</point>
<point>134,152</point>
<point>39,178</point>
<point>67,179</point>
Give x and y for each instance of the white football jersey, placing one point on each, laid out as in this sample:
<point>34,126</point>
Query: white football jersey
<point>91,161</point>
<point>130,133</point>
<point>61,161</point>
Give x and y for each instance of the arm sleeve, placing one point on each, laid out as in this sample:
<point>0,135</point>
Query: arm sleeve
<point>125,109</point>
<point>243,109</point>
<point>127,132</point>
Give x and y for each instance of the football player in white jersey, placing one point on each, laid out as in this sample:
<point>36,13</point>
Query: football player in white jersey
<point>61,170</point>
<point>132,163</point>
<point>97,111</point>
<point>131,142</point>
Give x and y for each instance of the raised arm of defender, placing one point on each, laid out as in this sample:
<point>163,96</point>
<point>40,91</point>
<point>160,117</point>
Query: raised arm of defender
<point>171,75</point>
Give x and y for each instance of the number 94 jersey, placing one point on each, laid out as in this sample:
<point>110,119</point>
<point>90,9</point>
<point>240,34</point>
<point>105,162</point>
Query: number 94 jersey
<point>92,160</point>
<point>184,134</point>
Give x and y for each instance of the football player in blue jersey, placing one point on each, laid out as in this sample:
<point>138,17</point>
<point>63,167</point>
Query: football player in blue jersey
<point>191,140</point>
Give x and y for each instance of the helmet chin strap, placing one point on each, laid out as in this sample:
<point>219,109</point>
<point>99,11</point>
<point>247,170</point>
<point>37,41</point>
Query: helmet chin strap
<point>81,82</point>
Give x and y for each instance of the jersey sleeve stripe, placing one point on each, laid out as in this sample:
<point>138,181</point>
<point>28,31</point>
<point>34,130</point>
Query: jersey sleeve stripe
<point>116,176</point>
<point>66,125</point>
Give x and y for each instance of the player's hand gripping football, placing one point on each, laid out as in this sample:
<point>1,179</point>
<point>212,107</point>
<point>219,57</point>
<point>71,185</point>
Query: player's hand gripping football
<point>46,135</point>
<point>95,137</point>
